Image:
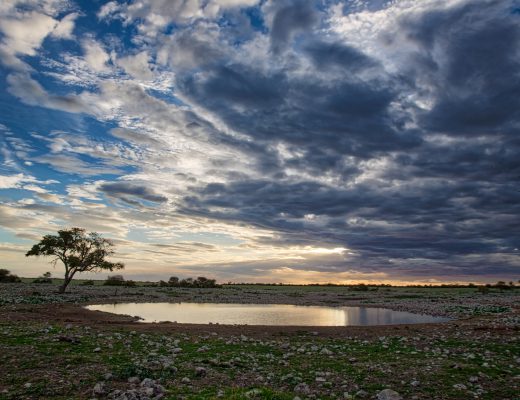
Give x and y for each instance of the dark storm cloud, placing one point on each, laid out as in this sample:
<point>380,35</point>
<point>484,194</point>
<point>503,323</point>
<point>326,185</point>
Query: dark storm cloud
<point>417,221</point>
<point>290,18</point>
<point>446,198</point>
<point>336,54</point>
<point>351,117</point>
<point>477,81</point>
<point>122,190</point>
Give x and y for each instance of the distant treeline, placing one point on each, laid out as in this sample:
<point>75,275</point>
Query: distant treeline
<point>200,282</point>
<point>365,286</point>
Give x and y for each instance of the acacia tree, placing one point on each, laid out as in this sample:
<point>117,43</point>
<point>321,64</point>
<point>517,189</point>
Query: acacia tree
<point>78,251</point>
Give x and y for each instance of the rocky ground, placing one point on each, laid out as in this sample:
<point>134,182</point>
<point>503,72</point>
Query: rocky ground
<point>52,348</point>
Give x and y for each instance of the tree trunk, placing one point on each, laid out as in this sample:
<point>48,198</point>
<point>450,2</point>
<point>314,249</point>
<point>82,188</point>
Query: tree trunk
<point>64,285</point>
<point>66,282</point>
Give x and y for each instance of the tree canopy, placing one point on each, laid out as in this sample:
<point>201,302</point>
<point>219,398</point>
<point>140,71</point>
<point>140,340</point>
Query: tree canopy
<point>78,250</point>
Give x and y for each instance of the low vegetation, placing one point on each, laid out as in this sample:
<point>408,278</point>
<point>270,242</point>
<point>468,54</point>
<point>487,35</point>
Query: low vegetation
<point>46,278</point>
<point>56,350</point>
<point>118,280</point>
<point>235,366</point>
<point>7,277</point>
<point>200,282</point>
<point>72,358</point>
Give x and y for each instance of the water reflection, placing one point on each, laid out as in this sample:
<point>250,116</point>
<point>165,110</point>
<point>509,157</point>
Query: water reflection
<point>264,314</point>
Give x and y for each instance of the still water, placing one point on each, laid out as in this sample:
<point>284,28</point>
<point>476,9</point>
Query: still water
<point>264,314</point>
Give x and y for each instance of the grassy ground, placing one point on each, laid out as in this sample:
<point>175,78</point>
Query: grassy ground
<point>56,359</point>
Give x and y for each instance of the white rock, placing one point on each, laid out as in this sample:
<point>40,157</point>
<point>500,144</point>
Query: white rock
<point>147,382</point>
<point>460,386</point>
<point>148,391</point>
<point>302,388</point>
<point>388,394</point>
<point>99,388</point>
<point>253,393</point>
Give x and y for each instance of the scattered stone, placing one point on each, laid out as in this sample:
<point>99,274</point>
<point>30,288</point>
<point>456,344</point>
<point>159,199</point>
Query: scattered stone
<point>99,388</point>
<point>460,386</point>
<point>134,379</point>
<point>200,371</point>
<point>97,350</point>
<point>147,390</point>
<point>388,394</point>
<point>147,382</point>
<point>302,388</point>
<point>253,393</point>
<point>69,339</point>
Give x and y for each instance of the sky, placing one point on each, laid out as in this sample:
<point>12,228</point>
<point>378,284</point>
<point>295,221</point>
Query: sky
<point>265,141</point>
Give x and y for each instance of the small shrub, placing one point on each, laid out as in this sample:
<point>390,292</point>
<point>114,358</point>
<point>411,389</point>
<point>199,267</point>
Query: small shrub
<point>503,286</point>
<point>115,280</point>
<point>6,276</point>
<point>45,278</point>
<point>360,288</point>
<point>130,283</point>
<point>87,283</point>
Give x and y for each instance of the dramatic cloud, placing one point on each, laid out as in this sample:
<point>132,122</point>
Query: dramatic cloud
<point>122,189</point>
<point>288,18</point>
<point>267,141</point>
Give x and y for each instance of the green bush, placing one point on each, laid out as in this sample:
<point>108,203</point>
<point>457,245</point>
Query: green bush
<point>360,288</point>
<point>119,280</point>
<point>45,278</point>
<point>115,280</point>
<point>6,276</point>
